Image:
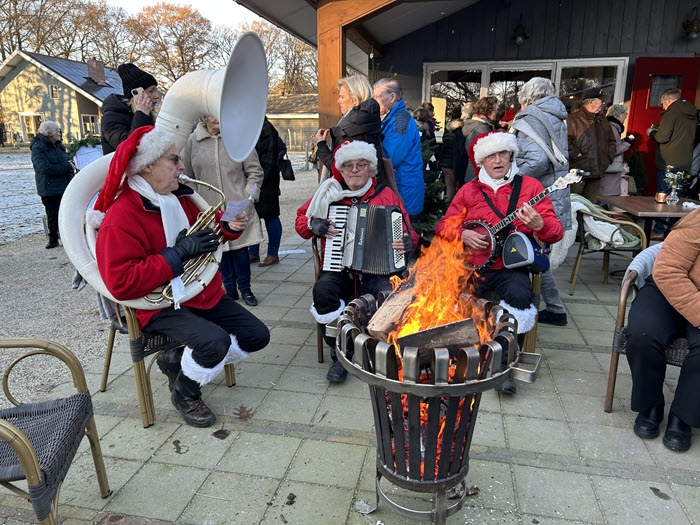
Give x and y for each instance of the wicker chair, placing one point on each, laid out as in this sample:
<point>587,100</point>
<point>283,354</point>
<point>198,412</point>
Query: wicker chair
<point>39,440</point>
<point>583,247</point>
<point>637,272</point>
<point>143,344</point>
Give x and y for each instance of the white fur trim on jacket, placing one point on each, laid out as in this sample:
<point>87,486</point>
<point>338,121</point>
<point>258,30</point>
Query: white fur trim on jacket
<point>493,143</point>
<point>327,318</point>
<point>356,150</point>
<point>526,318</point>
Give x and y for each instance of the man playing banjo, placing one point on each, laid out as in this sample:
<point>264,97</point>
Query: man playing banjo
<point>497,191</point>
<point>143,244</point>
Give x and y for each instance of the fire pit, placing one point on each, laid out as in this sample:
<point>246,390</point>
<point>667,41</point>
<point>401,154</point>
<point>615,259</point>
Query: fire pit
<point>425,396</point>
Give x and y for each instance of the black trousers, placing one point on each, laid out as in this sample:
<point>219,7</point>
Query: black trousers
<point>652,325</point>
<point>206,332</point>
<point>51,205</point>
<point>512,286</point>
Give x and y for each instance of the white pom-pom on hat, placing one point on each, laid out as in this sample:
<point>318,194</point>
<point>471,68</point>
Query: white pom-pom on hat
<point>493,142</point>
<point>356,150</point>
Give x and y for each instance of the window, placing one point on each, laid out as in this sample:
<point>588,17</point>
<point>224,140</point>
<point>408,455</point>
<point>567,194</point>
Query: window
<point>659,84</point>
<point>90,125</point>
<point>53,89</point>
<point>461,82</point>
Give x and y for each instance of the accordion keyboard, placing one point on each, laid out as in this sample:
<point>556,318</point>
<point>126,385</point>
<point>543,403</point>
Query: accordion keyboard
<point>333,251</point>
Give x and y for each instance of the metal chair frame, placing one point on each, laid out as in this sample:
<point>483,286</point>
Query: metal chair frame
<point>609,248</point>
<point>675,353</point>
<point>35,448</point>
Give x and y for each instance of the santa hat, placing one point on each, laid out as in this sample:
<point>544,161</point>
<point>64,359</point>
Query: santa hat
<point>141,149</point>
<point>492,142</point>
<point>356,150</point>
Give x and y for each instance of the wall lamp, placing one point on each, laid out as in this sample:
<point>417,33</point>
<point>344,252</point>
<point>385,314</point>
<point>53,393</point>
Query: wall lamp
<point>520,35</point>
<point>691,25</point>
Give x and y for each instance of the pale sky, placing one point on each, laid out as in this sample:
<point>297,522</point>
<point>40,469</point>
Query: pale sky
<point>219,12</point>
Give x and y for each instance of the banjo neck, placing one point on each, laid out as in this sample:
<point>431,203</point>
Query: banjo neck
<point>512,216</point>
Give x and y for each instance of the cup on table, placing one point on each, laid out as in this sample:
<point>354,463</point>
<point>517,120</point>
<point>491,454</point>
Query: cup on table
<point>660,197</point>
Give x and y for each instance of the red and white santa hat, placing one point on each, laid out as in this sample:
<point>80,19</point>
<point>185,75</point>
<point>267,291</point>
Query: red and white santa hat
<point>356,150</point>
<point>492,142</point>
<point>141,149</point>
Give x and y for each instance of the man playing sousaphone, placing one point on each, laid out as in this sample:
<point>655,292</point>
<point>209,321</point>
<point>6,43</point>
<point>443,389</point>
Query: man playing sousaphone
<point>497,191</point>
<point>142,244</point>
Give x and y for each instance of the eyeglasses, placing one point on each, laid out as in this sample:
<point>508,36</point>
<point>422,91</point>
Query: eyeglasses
<point>175,159</point>
<point>351,166</point>
<point>501,154</point>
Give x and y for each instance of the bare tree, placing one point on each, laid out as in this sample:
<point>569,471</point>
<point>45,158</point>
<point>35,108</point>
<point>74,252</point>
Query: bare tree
<point>176,40</point>
<point>222,39</point>
<point>109,39</point>
<point>299,64</point>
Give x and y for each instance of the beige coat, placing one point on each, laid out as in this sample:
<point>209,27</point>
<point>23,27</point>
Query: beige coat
<point>205,159</point>
<point>677,271</point>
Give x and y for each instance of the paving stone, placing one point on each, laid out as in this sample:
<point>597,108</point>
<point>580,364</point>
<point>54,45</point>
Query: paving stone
<point>313,504</point>
<point>260,454</point>
<point>336,464</point>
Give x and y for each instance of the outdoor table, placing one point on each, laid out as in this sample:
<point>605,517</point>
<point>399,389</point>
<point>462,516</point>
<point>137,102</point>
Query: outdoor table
<point>648,209</point>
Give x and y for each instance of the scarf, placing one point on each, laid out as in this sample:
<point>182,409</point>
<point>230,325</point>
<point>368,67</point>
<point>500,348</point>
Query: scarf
<point>173,218</point>
<point>494,184</point>
<point>328,192</point>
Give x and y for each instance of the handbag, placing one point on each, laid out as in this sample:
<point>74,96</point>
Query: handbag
<point>286,169</point>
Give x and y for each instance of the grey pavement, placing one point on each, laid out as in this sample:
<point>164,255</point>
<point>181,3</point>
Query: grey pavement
<point>300,451</point>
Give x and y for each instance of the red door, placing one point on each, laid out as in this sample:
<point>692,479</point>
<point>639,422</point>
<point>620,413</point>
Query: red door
<point>652,76</point>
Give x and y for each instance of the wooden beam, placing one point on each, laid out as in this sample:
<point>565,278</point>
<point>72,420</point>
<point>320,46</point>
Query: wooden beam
<point>363,39</point>
<point>332,19</point>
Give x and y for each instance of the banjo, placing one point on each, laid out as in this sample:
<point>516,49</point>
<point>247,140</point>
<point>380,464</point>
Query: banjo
<point>483,259</point>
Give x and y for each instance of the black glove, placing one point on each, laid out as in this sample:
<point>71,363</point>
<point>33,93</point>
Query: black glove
<point>407,243</point>
<point>195,244</point>
<point>320,226</point>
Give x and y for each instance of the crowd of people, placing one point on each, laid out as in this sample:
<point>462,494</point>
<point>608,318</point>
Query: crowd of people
<point>493,164</point>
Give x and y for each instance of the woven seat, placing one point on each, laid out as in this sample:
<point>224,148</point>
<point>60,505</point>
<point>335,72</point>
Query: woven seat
<point>39,440</point>
<point>675,353</point>
<point>141,345</point>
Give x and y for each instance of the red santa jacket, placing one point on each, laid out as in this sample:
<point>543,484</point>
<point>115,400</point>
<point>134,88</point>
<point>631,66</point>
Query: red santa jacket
<point>469,204</point>
<point>384,197</point>
<point>129,246</point>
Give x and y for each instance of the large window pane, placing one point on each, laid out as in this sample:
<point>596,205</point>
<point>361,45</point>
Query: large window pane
<point>506,84</point>
<point>456,87</point>
<point>575,80</point>
<point>659,84</point>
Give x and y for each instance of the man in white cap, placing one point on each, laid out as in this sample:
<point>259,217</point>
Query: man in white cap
<point>496,191</point>
<point>143,244</point>
<point>354,181</point>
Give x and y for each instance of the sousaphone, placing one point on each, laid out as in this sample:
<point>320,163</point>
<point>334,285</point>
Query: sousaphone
<point>235,95</point>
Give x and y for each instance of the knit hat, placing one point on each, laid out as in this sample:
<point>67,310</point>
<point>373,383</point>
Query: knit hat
<point>142,148</point>
<point>492,142</point>
<point>133,77</point>
<point>593,93</point>
<point>356,150</point>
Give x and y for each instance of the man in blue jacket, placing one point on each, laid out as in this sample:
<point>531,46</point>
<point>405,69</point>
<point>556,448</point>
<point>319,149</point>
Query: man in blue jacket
<point>401,144</point>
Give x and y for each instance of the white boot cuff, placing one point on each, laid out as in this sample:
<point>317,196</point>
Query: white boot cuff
<point>235,353</point>
<point>197,372</point>
<point>526,318</point>
<point>327,318</point>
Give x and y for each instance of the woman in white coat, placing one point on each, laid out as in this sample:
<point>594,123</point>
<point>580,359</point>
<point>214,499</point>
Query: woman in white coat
<point>205,159</point>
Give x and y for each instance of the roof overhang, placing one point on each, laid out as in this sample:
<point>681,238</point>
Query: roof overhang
<point>298,17</point>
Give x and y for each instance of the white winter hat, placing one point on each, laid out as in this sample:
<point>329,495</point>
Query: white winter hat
<point>493,142</point>
<point>356,150</point>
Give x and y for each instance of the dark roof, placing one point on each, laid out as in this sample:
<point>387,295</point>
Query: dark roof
<point>303,104</point>
<point>75,73</point>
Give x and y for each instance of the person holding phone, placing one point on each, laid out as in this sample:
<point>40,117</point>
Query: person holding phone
<point>121,115</point>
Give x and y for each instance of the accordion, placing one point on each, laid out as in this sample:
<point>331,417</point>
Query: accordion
<point>364,241</point>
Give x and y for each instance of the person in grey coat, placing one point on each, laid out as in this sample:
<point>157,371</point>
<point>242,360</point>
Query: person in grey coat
<point>540,128</point>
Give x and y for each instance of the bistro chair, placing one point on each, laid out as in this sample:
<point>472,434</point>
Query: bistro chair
<point>38,441</point>
<point>141,345</point>
<point>599,231</point>
<point>637,272</point>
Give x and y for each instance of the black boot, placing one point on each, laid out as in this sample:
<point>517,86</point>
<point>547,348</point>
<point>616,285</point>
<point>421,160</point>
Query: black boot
<point>169,364</point>
<point>508,386</point>
<point>187,398</point>
<point>336,373</point>
<point>678,433</point>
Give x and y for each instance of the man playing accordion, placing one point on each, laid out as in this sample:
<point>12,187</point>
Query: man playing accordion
<point>353,182</point>
<point>142,244</point>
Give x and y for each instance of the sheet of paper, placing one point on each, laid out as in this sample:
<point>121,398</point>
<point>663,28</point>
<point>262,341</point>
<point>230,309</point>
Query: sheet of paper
<point>234,208</point>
